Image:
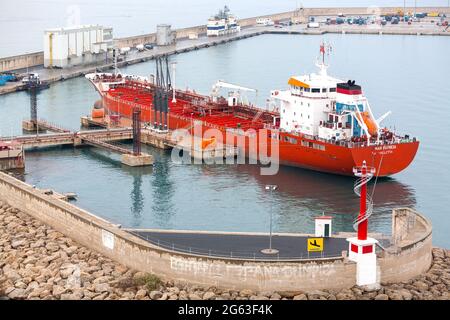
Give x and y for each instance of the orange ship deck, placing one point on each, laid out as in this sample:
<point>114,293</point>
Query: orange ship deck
<point>338,157</point>
<point>219,114</point>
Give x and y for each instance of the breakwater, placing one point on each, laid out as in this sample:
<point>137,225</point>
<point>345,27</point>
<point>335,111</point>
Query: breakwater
<point>187,45</point>
<point>408,257</point>
<point>38,262</point>
<point>300,15</point>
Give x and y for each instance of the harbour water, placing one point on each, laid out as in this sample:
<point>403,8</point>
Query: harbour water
<point>405,74</point>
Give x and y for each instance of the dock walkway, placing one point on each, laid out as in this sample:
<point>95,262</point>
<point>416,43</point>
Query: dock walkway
<point>98,138</point>
<point>241,245</point>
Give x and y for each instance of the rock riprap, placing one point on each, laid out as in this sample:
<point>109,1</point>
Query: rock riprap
<point>37,262</point>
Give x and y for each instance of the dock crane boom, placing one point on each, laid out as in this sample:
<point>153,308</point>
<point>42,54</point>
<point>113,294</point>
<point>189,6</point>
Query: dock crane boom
<point>222,84</point>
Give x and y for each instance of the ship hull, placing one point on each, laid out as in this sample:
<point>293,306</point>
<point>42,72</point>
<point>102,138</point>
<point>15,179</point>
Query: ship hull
<point>294,150</point>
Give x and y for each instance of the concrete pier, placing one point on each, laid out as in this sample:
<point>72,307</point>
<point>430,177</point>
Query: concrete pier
<point>11,156</point>
<point>249,29</point>
<point>409,255</point>
<point>88,122</point>
<point>30,126</point>
<point>137,160</point>
<point>42,126</point>
<point>102,139</point>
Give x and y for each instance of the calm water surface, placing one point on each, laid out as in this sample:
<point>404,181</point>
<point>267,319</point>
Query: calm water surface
<point>408,75</point>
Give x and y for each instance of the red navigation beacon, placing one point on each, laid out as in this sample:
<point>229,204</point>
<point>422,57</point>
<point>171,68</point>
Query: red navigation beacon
<point>365,174</point>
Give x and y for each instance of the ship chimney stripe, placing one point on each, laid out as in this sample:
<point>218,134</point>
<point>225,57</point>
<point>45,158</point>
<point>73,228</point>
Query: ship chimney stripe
<point>347,91</point>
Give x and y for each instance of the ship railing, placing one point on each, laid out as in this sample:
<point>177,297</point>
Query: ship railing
<point>343,143</point>
<point>238,255</point>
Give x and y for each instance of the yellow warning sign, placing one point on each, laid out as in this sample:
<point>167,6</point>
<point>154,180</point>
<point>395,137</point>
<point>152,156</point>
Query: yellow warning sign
<point>315,244</point>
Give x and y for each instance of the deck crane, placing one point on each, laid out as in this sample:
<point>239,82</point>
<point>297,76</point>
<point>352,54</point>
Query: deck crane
<point>232,96</point>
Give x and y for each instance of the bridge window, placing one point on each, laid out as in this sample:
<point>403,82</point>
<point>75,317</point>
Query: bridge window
<point>315,90</point>
<point>324,90</point>
<point>307,89</point>
<point>332,89</point>
<point>319,147</point>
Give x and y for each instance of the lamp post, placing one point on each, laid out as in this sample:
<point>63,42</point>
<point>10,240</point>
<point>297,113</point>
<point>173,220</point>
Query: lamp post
<point>270,250</point>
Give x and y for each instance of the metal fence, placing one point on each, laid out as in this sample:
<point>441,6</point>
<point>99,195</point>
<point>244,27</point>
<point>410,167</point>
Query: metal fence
<point>238,255</point>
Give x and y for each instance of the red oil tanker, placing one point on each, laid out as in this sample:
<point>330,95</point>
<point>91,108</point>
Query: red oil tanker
<point>319,123</point>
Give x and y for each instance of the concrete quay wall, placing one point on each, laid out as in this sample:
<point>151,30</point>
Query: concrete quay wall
<point>300,15</point>
<point>21,61</point>
<point>110,240</point>
<point>411,246</point>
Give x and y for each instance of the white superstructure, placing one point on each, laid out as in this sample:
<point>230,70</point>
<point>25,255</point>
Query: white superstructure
<point>325,107</point>
<point>64,47</point>
<point>223,23</point>
<point>307,101</point>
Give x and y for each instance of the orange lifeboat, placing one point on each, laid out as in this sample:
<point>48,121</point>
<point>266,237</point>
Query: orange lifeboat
<point>370,123</point>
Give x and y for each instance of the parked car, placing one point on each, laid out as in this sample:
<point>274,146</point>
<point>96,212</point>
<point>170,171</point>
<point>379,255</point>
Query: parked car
<point>148,46</point>
<point>313,25</point>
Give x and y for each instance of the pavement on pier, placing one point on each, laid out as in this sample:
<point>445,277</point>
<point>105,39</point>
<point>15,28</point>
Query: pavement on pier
<point>184,45</point>
<point>244,246</point>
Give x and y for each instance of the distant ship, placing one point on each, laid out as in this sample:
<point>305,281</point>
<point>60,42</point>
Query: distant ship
<point>319,123</point>
<point>222,23</point>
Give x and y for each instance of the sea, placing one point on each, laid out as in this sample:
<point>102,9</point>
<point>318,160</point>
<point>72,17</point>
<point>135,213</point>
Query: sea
<point>408,75</point>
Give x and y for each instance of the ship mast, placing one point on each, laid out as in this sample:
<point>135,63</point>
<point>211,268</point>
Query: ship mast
<point>324,49</point>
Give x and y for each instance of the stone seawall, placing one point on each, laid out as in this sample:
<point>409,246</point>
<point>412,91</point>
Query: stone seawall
<point>21,61</point>
<point>100,235</point>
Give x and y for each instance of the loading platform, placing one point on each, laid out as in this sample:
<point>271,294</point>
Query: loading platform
<point>73,138</point>
<point>105,138</point>
<point>97,138</point>
<point>166,140</point>
<point>43,125</point>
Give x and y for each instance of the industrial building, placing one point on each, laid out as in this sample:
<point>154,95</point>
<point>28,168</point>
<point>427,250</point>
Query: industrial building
<point>165,36</point>
<point>67,47</point>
